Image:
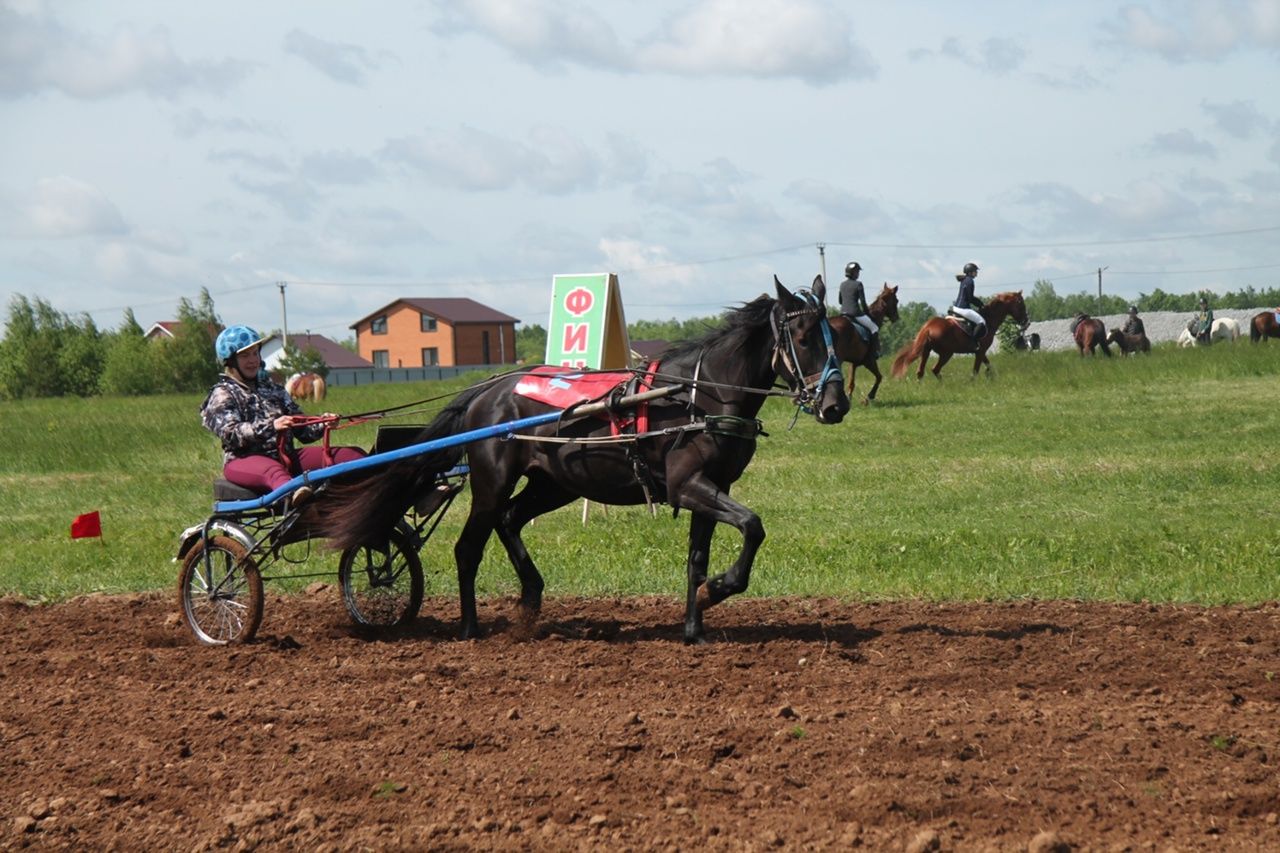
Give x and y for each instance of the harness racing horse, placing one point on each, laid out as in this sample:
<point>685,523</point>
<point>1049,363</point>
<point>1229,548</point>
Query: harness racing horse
<point>697,444</point>
<point>1129,344</point>
<point>1264,326</point>
<point>852,348</point>
<point>305,386</point>
<point>1089,334</point>
<point>946,337</point>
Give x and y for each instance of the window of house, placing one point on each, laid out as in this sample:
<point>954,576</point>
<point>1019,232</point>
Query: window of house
<point>428,323</point>
<point>381,358</point>
<point>378,326</point>
<point>430,356</point>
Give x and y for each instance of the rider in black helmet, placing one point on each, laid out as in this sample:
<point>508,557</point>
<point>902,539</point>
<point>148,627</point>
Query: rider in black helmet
<point>1133,325</point>
<point>966,302</point>
<point>853,304</point>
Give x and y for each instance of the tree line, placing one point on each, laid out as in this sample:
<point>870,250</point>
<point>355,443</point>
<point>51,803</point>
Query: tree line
<point>47,353</point>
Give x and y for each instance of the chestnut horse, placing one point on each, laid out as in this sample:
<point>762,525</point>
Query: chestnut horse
<point>849,344</point>
<point>1129,344</point>
<point>305,386</point>
<point>1261,327</point>
<point>1090,333</point>
<point>946,337</point>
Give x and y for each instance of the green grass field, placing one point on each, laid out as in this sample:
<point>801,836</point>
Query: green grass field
<point>1142,479</point>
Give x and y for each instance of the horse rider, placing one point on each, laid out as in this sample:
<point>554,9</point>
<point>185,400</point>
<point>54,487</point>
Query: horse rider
<point>1204,322</point>
<point>1133,326</point>
<point>853,304</point>
<point>966,302</point>
<point>256,421</point>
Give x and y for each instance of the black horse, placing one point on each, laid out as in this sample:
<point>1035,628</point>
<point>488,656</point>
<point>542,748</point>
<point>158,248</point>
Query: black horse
<point>698,443</point>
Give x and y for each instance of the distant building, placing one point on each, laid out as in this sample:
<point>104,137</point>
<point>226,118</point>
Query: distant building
<point>431,332</point>
<point>162,330</point>
<point>331,352</point>
<point>643,352</point>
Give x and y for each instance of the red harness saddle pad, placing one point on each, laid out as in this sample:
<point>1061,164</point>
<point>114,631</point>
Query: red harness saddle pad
<point>563,387</point>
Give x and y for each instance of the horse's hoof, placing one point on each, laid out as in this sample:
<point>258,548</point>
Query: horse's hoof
<point>698,640</point>
<point>469,632</point>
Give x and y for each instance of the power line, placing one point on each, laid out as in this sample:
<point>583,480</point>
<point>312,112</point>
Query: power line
<point>1203,236</point>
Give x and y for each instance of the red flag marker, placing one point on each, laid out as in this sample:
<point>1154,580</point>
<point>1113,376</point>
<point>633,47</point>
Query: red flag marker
<point>86,526</point>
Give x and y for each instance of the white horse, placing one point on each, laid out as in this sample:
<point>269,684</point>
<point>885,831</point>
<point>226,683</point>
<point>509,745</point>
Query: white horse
<point>1223,329</point>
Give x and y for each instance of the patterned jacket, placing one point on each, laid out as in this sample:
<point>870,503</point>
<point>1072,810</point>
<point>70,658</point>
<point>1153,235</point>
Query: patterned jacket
<point>243,418</point>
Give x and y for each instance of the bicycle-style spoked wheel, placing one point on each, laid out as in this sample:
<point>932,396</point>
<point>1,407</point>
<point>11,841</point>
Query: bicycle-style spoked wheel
<point>221,598</point>
<point>382,588</point>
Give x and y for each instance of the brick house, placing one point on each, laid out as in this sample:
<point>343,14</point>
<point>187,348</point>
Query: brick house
<point>427,332</point>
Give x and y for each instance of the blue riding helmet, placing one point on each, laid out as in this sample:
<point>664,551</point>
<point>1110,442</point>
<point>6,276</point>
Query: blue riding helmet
<point>235,339</point>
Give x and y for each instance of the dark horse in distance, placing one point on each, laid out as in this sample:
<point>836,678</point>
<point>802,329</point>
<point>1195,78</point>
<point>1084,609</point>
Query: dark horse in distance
<point>1090,333</point>
<point>946,336</point>
<point>697,444</point>
<point>1264,326</point>
<point>1129,344</point>
<point>852,348</point>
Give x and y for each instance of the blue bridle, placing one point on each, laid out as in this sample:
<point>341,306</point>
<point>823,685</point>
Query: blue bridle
<point>805,392</point>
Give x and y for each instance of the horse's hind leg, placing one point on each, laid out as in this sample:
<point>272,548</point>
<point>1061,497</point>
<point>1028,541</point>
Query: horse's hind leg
<point>468,551</point>
<point>924,359</point>
<point>539,496</point>
<point>943,358</point>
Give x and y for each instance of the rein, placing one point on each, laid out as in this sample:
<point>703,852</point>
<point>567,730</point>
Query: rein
<point>802,389</point>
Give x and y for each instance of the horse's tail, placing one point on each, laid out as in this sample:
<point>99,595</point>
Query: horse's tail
<point>318,388</point>
<point>1255,334</point>
<point>364,511</point>
<point>910,353</point>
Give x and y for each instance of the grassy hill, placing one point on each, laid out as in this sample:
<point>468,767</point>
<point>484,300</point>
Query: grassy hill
<point>1123,479</point>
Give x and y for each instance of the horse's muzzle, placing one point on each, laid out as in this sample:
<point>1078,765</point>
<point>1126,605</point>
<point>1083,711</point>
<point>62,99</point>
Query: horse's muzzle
<point>833,402</point>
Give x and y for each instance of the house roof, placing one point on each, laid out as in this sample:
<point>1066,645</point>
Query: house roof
<point>333,353</point>
<point>649,349</point>
<point>451,310</point>
<point>164,328</point>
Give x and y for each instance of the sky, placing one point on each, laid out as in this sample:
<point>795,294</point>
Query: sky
<point>360,153</point>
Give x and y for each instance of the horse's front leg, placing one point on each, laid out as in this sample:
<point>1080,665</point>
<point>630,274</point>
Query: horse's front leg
<point>875,371</point>
<point>702,497</point>
<point>700,529</point>
<point>853,370</point>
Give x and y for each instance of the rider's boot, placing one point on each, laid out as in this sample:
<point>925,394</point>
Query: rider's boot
<point>875,345</point>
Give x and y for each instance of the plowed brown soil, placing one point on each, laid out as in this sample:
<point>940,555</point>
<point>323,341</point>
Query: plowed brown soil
<point>803,725</point>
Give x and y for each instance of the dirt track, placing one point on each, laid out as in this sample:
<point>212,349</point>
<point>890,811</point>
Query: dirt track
<point>805,724</point>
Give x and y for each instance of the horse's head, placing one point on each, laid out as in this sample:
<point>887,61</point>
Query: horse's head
<point>804,352</point>
<point>1013,306</point>
<point>887,302</point>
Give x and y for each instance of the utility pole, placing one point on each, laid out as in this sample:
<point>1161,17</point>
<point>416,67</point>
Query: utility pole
<point>284,317</point>
<point>1100,269</point>
<point>822,256</point>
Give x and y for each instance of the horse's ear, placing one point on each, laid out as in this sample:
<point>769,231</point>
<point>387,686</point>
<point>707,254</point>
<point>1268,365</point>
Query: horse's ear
<point>893,289</point>
<point>784,295</point>
<point>820,289</point>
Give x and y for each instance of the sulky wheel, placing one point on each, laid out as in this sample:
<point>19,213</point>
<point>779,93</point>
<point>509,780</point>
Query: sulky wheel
<point>221,599</point>
<point>382,588</point>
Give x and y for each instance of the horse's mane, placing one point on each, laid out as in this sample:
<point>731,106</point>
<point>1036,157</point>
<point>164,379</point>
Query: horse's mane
<point>738,326</point>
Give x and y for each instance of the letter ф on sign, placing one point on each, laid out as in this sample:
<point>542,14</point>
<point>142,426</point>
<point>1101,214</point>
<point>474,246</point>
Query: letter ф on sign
<point>587,327</point>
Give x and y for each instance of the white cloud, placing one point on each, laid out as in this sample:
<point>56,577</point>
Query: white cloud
<point>759,38</point>
<point>554,161</point>
<point>996,55</point>
<point>1241,119</point>
<point>848,212</point>
<point>338,167</point>
<point>345,63</point>
<point>375,226</point>
<point>194,122</point>
<point>799,39</point>
<point>540,32</point>
<point>1182,142</point>
<point>714,194</point>
<point>1205,30</point>
<point>38,53</point>
<point>64,207</point>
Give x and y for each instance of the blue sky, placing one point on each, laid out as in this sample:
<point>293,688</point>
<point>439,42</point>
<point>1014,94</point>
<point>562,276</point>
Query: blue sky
<point>364,152</point>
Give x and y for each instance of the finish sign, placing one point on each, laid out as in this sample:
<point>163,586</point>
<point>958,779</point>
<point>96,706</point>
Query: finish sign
<point>587,328</point>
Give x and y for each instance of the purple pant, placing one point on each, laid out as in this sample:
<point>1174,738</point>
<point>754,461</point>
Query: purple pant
<point>264,474</point>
